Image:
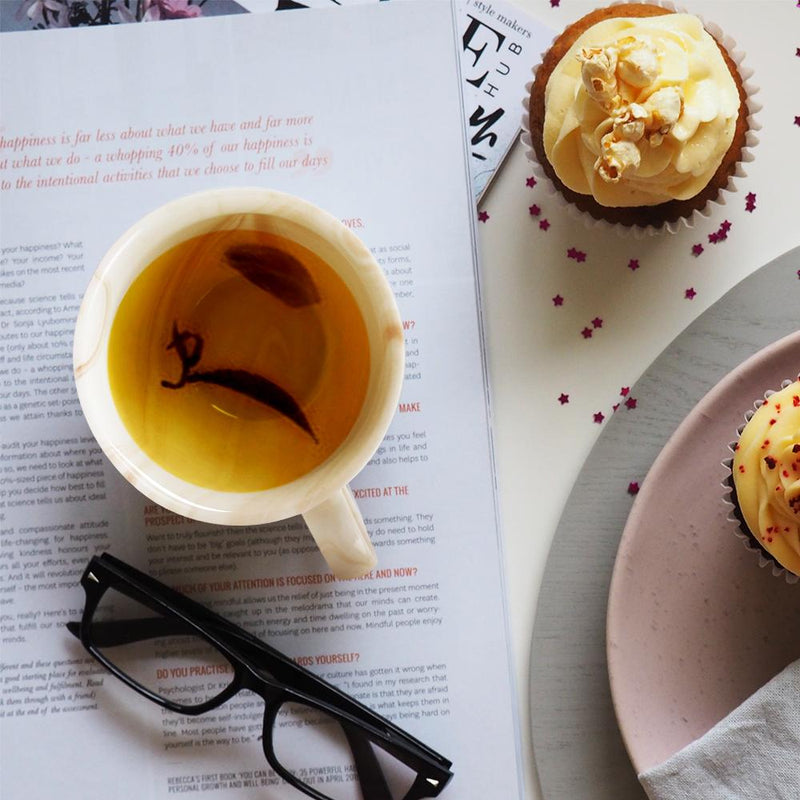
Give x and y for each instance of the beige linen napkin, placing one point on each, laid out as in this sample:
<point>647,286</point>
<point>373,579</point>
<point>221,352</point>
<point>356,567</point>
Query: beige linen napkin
<point>752,754</point>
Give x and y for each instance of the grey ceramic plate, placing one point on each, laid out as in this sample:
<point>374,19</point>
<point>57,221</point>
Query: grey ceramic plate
<point>578,748</point>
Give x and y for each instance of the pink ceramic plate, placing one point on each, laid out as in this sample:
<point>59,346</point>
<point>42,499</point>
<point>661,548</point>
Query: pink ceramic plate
<point>694,624</point>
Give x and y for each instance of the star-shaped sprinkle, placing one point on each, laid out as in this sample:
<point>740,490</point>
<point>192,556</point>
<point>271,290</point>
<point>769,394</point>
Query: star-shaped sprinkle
<point>577,255</point>
<point>530,181</point>
<point>534,210</point>
<point>598,416</point>
<point>558,300</point>
<point>633,264</point>
<point>697,249</point>
<point>555,3</point>
<point>625,391</point>
<point>597,322</point>
<point>690,293</point>
<point>483,216</point>
<point>797,52</point>
<point>630,403</point>
<point>571,252</point>
<point>544,224</point>
<point>615,407</point>
<point>586,333</point>
<point>633,487</point>
<point>797,120</point>
<point>563,398</point>
<point>750,201</point>
<point>721,234</point>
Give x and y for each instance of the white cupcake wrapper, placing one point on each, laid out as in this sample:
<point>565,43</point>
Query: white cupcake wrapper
<point>639,231</point>
<point>729,498</point>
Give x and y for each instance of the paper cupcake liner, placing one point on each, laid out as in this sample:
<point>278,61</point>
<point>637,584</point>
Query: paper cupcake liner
<point>735,516</point>
<point>639,231</point>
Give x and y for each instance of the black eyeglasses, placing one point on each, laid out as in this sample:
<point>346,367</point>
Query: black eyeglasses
<point>188,659</point>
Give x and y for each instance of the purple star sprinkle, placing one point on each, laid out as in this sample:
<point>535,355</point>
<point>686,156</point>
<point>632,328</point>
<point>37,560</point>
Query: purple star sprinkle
<point>599,416</point>
<point>625,391</point>
<point>483,216</point>
<point>571,252</point>
<point>544,224</point>
<point>633,264</point>
<point>563,398</point>
<point>630,403</point>
<point>721,234</point>
<point>750,201</point>
<point>534,210</point>
<point>690,293</point>
<point>586,333</point>
<point>530,181</point>
<point>558,300</point>
<point>633,487</point>
<point>697,249</point>
<point>797,120</point>
<point>597,322</point>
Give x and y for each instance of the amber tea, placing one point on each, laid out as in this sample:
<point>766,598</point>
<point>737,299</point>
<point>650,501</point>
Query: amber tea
<point>238,360</point>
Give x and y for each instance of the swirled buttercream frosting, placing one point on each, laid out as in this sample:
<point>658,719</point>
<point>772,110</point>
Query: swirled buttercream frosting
<point>640,111</point>
<point>766,475</point>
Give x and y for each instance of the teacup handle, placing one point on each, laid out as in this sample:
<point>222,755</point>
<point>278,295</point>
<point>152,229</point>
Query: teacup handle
<point>339,531</point>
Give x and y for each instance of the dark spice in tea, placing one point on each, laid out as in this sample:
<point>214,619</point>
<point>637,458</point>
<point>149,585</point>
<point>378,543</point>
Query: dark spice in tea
<point>272,360</point>
<point>258,388</point>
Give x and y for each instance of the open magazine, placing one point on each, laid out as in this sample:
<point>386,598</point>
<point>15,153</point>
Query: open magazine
<point>499,43</point>
<point>111,122</point>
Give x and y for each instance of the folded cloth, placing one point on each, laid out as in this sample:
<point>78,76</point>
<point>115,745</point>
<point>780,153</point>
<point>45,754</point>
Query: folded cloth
<point>752,754</point>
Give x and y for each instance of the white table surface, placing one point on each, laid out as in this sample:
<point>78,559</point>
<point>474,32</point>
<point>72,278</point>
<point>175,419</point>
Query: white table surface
<point>536,349</point>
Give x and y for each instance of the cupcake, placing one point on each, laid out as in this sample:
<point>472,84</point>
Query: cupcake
<point>765,477</point>
<point>638,115</point>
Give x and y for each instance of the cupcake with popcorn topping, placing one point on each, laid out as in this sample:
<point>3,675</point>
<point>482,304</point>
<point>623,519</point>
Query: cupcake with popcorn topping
<point>765,480</point>
<point>638,116</point>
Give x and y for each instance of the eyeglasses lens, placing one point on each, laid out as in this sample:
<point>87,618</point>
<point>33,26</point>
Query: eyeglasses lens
<point>161,653</point>
<point>313,747</point>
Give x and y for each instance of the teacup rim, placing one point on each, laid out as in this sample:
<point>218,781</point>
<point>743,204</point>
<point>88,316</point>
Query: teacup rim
<point>106,288</point>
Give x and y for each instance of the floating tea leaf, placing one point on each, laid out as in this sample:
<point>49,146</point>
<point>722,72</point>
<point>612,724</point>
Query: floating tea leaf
<point>275,272</point>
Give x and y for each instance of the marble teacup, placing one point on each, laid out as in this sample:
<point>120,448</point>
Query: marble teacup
<point>321,495</point>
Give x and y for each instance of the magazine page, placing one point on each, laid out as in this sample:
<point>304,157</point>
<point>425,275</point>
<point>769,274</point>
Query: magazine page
<point>499,42</point>
<point>108,124</point>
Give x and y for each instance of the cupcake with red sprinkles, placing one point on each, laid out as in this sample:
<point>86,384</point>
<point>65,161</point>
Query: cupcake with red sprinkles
<point>765,480</point>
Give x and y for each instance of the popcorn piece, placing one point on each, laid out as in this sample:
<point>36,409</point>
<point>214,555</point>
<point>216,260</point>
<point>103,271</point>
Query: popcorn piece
<point>598,72</point>
<point>664,109</point>
<point>630,122</point>
<point>616,157</point>
<point>637,62</point>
